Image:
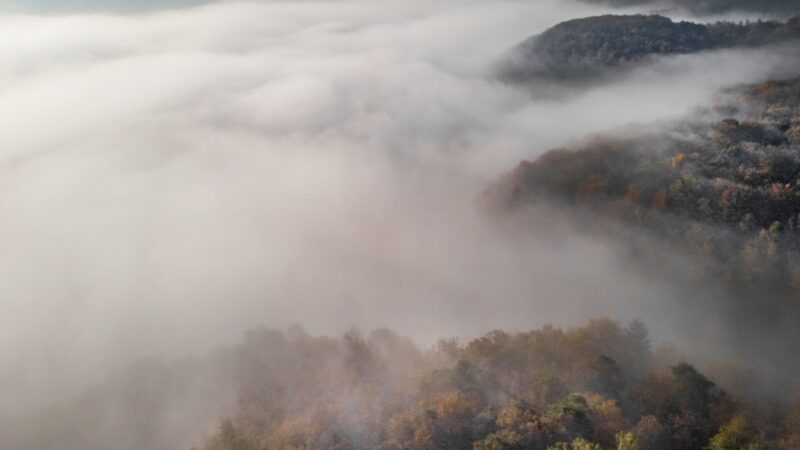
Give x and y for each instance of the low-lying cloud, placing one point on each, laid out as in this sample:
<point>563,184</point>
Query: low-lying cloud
<point>172,179</point>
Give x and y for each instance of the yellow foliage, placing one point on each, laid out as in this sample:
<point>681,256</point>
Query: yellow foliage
<point>678,160</point>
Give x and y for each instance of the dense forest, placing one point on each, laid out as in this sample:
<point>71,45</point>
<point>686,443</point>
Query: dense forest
<point>586,47</point>
<point>599,386</point>
<point>721,188</point>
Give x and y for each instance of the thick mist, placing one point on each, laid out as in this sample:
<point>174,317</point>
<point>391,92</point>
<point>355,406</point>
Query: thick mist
<point>171,179</point>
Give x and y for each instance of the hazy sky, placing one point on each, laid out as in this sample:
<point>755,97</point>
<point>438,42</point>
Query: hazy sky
<point>58,6</point>
<point>169,180</point>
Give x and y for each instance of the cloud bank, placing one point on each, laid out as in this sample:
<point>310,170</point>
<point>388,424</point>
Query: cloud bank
<point>171,179</point>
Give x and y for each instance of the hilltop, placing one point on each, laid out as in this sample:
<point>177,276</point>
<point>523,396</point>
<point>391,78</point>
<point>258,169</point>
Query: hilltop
<point>588,47</point>
<point>711,6</point>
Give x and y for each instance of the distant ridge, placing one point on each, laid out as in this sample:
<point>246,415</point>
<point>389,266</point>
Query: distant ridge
<point>711,6</point>
<point>588,47</point>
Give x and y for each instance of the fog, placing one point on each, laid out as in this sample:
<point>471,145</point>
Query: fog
<point>127,6</point>
<point>171,179</point>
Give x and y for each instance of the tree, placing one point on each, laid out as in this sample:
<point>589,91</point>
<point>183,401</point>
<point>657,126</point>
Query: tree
<point>576,444</point>
<point>627,441</point>
<point>737,434</point>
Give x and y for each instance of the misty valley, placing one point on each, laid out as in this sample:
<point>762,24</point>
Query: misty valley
<point>373,224</point>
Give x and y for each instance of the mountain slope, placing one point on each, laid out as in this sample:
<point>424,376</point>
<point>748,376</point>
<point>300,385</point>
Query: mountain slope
<point>721,188</point>
<point>585,48</point>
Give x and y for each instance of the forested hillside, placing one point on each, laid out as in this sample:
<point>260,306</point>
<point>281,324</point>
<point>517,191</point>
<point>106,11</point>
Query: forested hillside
<point>721,188</point>
<point>599,386</point>
<point>586,47</point>
<point>711,6</point>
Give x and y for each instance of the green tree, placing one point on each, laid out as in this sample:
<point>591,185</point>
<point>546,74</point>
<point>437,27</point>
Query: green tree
<point>627,441</point>
<point>737,434</point>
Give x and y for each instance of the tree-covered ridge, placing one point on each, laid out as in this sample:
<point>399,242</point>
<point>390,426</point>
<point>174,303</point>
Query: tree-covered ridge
<point>742,167</point>
<point>722,188</point>
<point>712,6</point>
<point>599,386</point>
<point>582,47</point>
<point>740,170</point>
